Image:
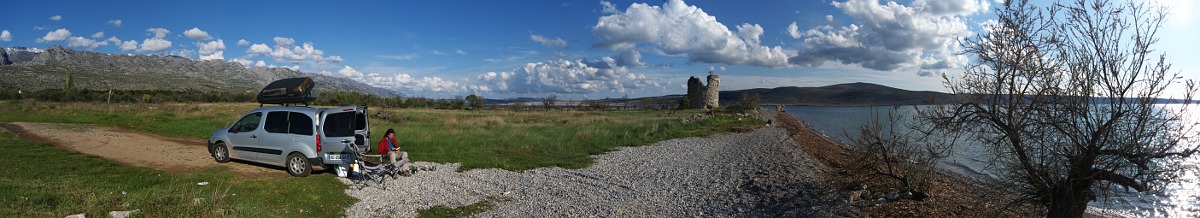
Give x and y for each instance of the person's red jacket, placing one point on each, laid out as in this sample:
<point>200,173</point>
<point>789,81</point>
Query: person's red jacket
<point>383,145</point>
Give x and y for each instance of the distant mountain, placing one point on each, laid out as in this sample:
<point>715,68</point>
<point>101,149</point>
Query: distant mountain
<point>849,94</point>
<point>35,69</point>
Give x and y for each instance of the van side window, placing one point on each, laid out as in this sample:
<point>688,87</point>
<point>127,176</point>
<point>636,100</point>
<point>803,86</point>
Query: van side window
<point>300,124</point>
<point>247,123</point>
<point>339,125</point>
<point>277,122</point>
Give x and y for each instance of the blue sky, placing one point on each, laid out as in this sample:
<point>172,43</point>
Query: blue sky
<point>575,49</point>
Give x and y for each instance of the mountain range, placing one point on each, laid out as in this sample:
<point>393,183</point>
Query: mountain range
<point>36,69</point>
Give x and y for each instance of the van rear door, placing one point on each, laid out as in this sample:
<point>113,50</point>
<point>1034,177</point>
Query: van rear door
<point>339,128</point>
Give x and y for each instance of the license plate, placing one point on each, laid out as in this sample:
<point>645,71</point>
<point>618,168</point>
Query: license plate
<point>333,156</point>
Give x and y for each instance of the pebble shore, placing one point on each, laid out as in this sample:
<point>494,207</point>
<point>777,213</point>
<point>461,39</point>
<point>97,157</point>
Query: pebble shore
<point>760,173</point>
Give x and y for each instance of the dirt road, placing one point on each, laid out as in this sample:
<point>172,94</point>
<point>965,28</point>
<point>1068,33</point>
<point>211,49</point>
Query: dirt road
<point>134,148</point>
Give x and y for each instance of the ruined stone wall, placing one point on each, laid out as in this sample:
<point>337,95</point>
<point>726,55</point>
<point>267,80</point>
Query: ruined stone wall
<point>711,94</point>
<point>695,93</point>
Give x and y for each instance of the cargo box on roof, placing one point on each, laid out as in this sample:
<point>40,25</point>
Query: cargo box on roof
<point>288,91</point>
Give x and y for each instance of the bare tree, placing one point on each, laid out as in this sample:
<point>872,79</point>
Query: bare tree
<point>549,101</point>
<point>899,150</point>
<point>1068,98</point>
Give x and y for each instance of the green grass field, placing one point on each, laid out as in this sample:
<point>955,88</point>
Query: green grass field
<point>42,180</point>
<point>73,182</point>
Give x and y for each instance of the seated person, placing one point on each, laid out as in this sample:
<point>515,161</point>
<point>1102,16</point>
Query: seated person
<point>389,147</point>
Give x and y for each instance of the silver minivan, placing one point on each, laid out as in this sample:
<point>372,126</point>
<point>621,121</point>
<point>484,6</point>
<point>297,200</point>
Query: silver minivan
<point>293,137</point>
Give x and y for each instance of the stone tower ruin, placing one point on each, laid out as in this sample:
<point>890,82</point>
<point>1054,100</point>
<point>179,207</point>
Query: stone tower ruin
<point>711,94</point>
<point>695,92</point>
<point>702,96</point>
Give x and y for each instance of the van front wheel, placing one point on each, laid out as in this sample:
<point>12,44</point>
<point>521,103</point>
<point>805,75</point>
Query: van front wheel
<point>220,152</point>
<point>297,165</point>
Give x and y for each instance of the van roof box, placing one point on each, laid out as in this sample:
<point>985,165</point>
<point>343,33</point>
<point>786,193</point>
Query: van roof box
<point>288,91</point>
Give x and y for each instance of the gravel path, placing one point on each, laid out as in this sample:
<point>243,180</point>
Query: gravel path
<point>761,173</point>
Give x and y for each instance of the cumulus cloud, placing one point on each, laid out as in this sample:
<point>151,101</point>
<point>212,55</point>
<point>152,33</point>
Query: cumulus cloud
<point>285,50</point>
<point>56,35</point>
<point>196,34</point>
<point>284,42</point>
<point>258,49</point>
<point>5,36</point>
<point>56,18</point>
<point>129,45</point>
<point>243,62</point>
<point>406,82</point>
<point>565,76</point>
<point>159,32</point>
<point>98,35</point>
<point>155,45</point>
<point>212,50</point>
<point>706,40</point>
<point>114,40</point>
<point>608,7</point>
<point>349,72</point>
<point>555,42</point>
<point>888,37</point>
<point>243,42</point>
<point>85,43</point>
<point>116,23</point>
<point>793,30</point>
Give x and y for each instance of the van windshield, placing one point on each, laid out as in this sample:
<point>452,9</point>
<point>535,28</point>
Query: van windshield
<point>339,125</point>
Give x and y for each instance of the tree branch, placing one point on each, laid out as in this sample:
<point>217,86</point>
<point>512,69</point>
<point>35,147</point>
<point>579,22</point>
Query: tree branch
<point>1118,179</point>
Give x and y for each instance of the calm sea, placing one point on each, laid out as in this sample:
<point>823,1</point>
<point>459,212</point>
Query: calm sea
<point>1181,199</point>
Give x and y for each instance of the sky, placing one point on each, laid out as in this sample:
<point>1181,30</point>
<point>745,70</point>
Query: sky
<point>572,49</point>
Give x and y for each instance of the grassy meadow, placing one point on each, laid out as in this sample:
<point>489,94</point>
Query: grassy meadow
<point>42,180</point>
<point>72,182</point>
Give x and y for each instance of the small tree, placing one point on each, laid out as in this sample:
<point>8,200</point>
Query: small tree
<point>549,101</point>
<point>474,102</point>
<point>1067,98</point>
<point>685,103</point>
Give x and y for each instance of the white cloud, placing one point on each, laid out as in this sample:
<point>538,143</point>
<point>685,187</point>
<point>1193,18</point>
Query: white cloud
<point>155,45</point>
<point>116,22</point>
<point>351,73</point>
<point>406,82</point>
<point>243,62</point>
<point>85,43</point>
<point>260,63</point>
<point>284,42</point>
<point>5,36</point>
<point>98,35</point>
<point>460,52</point>
<point>196,34</point>
<point>56,35</point>
<point>608,7</point>
<point>129,45</point>
<point>56,18</point>
<point>243,42</point>
<point>212,50</point>
<point>258,49</point>
<point>794,31</point>
<point>555,42</point>
<point>707,40</point>
<point>114,40</point>
<point>158,32</point>
<point>565,76</point>
<point>892,37</point>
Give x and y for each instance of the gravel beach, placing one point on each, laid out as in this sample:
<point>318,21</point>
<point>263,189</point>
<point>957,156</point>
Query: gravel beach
<point>759,173</point>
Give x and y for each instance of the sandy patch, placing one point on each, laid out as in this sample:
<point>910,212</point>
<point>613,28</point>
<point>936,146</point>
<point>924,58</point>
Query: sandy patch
<point>168,154</point>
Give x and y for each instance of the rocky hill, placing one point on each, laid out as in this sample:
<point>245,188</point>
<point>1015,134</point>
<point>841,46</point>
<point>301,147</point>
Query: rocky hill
<point>849,94</point>
<point>32,69</point>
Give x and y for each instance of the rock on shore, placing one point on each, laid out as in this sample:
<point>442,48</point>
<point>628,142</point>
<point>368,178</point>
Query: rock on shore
<point>760,173</point>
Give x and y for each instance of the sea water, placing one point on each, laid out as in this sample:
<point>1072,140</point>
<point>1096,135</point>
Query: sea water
<point>972,159</point>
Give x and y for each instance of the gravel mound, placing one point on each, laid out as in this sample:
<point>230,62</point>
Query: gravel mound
<point>760,173</point>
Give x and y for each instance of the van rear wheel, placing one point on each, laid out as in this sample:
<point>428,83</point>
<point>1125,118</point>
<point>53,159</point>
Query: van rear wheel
<point>297,165</point>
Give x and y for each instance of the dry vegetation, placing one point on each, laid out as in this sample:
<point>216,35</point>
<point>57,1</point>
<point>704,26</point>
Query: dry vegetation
<point>950,195</point>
